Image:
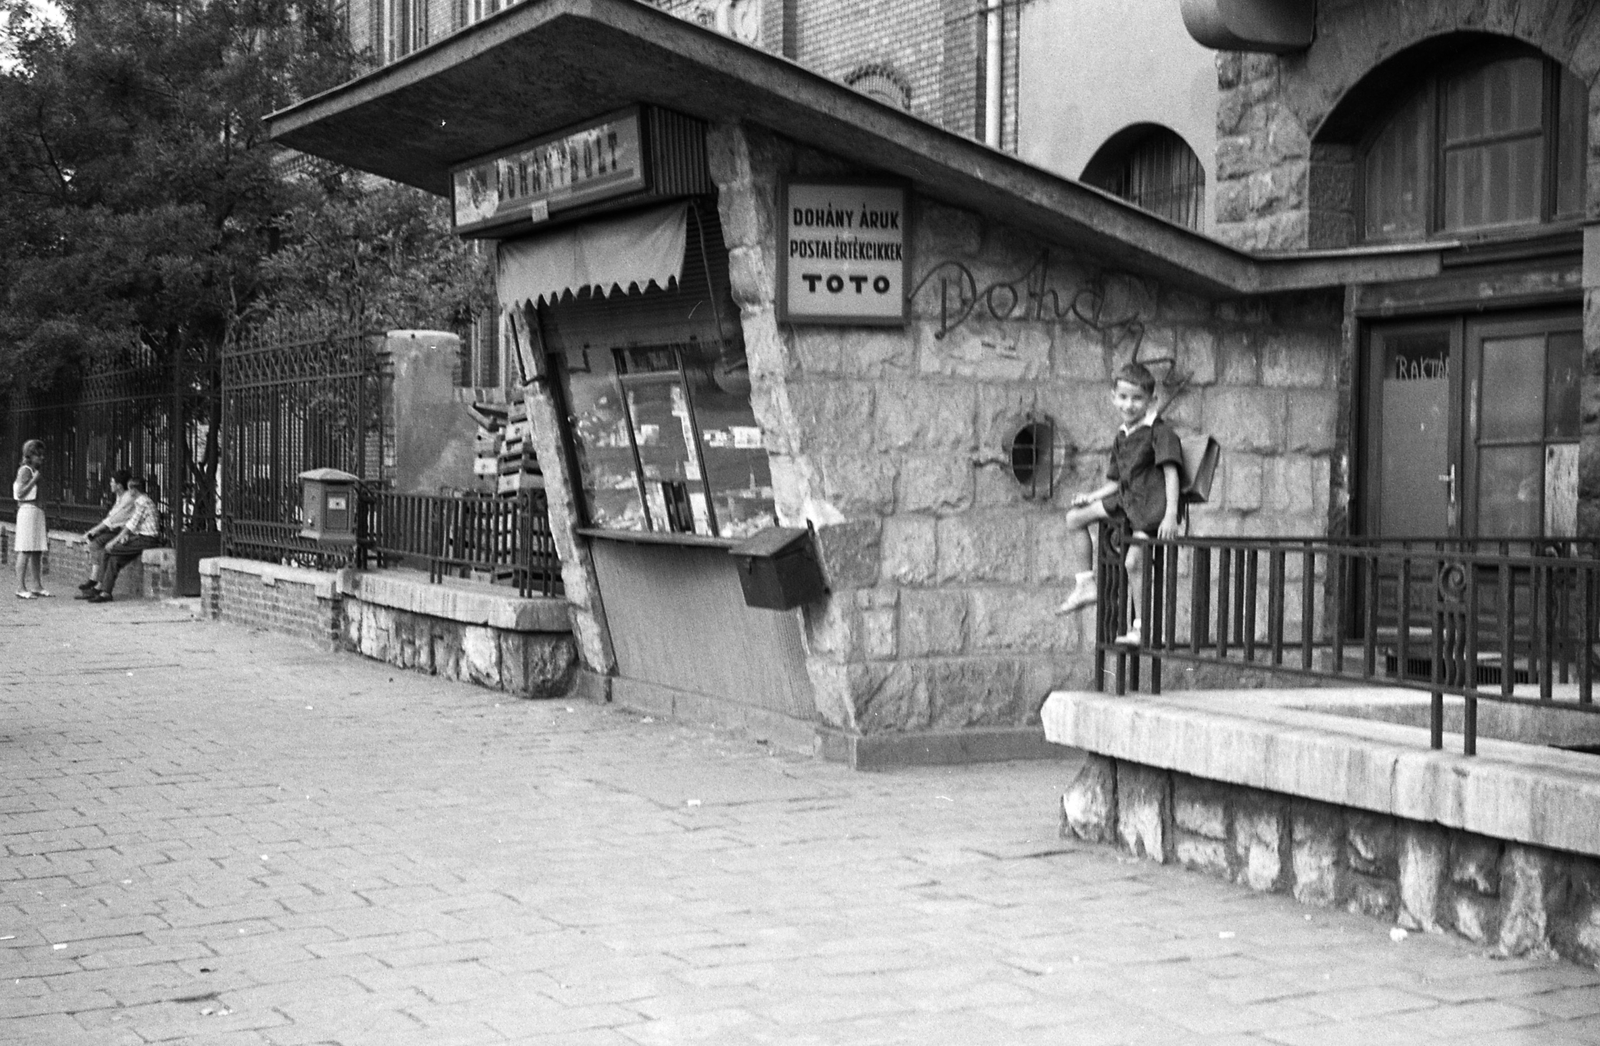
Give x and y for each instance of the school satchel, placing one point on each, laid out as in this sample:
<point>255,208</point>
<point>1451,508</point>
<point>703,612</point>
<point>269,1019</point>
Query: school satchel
<point>1200,455</point>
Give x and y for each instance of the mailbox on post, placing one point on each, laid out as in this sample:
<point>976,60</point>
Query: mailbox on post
<point>329,508</point>
<point>779,568</point>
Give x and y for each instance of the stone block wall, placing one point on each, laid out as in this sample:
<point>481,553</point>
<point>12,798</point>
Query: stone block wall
<point>1275,189</point>
<point>536,664</point>
<point>944,574</point>
<point>523,647</point>
<point>1279,186</point>
<point>1516,899</point>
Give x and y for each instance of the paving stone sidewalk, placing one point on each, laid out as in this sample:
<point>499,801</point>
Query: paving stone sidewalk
<point>213,836</point>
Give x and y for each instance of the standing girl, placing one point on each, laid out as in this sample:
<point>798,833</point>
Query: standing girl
<point>31,538</point>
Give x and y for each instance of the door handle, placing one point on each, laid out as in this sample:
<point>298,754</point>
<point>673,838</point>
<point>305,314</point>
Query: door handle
<point>1449,478</point>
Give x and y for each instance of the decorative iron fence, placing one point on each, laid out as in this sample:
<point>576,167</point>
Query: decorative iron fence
<point>316,395</point>
<point>157,418</point>
<point>498,538</point>
<point>297,396</point>
<point>1512,621</point>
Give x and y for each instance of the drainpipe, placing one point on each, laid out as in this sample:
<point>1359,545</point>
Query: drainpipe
<point>991,73</point>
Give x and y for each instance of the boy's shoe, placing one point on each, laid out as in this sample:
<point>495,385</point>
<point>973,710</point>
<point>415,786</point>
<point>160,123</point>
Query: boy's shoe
<point>100,597</point>
<point>89,586</point>
<point>1128,638</point>
<point>87,593</point>
<point>1083,595</point>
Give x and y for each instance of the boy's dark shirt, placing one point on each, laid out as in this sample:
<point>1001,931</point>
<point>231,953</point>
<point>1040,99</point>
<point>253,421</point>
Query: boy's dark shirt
<point>1136,460</point>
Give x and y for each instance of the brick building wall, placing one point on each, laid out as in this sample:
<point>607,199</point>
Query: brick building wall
<point>933,48</point>
<point>391,29</point>
<point>836,37</point>
<point>944,575</point>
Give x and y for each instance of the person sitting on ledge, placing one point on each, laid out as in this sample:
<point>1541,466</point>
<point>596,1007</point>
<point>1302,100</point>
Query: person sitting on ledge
<point>142,531</point>
<point>1141,490</point>
<point>104,532</point>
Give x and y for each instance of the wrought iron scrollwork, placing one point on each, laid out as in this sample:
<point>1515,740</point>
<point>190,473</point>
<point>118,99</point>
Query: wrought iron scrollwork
<point>1450,581</point>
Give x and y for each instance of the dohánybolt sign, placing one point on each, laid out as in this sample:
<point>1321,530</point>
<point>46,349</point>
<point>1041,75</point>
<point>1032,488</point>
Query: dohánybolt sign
<point>844,253</point>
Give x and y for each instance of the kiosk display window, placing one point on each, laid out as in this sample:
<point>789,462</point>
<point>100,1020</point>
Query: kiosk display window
<point>666,440</point>
<point>657,394</point>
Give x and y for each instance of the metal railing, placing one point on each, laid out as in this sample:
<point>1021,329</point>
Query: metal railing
<point>1511,621</point>
<point>297,395</point>
<point>503,539</point>
<point>138,409</point>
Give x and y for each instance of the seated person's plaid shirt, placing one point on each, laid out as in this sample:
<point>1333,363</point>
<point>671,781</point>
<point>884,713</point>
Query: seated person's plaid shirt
<point>143,523</point>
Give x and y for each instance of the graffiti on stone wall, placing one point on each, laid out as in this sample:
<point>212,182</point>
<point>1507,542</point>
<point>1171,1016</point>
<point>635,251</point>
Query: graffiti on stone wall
<point>1034,297</point>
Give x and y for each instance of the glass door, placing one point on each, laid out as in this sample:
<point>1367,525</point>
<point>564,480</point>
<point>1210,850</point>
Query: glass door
<point>1520,457</point>
<point>1472,427</point>
<point>1412,471</point>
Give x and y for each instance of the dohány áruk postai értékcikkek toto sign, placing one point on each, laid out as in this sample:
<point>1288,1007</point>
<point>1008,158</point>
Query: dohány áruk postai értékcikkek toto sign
<point>843,254</point>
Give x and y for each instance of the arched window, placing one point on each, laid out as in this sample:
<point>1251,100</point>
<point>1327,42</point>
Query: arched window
<point>1151,167</point>
<point>880,81</point>
<point>1496,146</point>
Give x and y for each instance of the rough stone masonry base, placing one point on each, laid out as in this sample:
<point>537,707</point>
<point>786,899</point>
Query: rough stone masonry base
<point>460,632</point>
<point>1267,790</point>
<point>1516,899</point>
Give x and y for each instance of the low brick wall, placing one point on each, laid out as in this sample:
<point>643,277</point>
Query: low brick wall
<point>66,565</point>
<point>1514,898</point>
<point>286,600</point>
<point>455,631</point>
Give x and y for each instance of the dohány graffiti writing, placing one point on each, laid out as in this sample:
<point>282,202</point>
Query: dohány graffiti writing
<point>1028,297</point>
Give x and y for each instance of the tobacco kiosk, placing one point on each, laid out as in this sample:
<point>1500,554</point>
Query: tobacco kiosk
<point>743,295</point>
<point>612,272</point>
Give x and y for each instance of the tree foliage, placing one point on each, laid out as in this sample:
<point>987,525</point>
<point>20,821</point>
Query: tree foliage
<point>381,255</point>
<point>140,199</point>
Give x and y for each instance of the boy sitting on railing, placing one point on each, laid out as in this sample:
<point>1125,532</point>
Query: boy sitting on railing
<point>1141,488</point>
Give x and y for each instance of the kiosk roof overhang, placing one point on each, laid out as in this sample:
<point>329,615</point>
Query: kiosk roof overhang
<point>542,65</point>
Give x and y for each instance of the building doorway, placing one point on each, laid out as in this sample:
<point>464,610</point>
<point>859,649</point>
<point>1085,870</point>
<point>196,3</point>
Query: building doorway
<point>1472,426</point>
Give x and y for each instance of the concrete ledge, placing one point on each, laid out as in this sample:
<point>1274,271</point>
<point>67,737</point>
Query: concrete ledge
<point>160,558</point>
<point>321,582</point>
<point>993,744</point>
<point>1268,740</point>
<point>152,576</point>
<point>163,558</point>
<point>457,601</point>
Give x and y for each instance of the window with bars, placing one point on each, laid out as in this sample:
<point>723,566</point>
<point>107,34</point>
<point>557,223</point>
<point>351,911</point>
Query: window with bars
<point>1154,169</point>
<point>1496,146</point>
<point>481,363</point>
<point>402,27</point>
<point>466,12</point>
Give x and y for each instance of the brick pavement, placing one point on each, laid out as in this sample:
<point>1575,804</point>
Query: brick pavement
<point>214,836</point>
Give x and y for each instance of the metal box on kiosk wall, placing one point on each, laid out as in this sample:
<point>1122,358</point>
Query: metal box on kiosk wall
<point>328,510</point>
<point>779,568</point>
